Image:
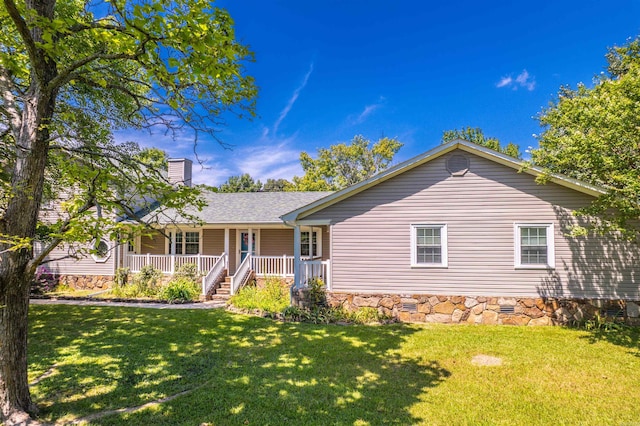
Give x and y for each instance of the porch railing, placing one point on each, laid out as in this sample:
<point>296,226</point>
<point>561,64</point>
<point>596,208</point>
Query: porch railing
<point>242,274</point>
<point>215,274</point>
<point>310,269</point>
<point>281,266</point>
<point>169,263</point>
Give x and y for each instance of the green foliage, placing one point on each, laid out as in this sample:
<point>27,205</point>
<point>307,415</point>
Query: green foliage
<point>342,165</point>
<point>179,289</point>
<point>316,292</point>
<point>242,183</point>
<point>277,185</point>
<point>476,135</point>
<point>189,271</point>
<point>273,297</point>
<point>143,284</point>
<point>122,277</point>
<point>591,134</point>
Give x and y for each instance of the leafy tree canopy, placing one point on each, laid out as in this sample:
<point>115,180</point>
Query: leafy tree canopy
<point>476,135</point>
<point>241,183</point>
<point>277,185</point>
<point>593,134</point>
<point>344,164</point>
<point>71,72</point>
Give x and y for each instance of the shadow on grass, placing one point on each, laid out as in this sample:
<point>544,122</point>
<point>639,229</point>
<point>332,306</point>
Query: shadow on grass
<point>244,370</point>
<point>627,337</point>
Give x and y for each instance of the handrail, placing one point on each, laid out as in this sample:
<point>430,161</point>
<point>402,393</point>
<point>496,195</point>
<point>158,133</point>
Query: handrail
<point>241,276</point>
<point>169,263</point>
<point>214,274</point>
<point>315,269</point>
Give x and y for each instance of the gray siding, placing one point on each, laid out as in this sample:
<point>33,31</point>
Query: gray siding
<point>371,237</point>
<point>62,264</point>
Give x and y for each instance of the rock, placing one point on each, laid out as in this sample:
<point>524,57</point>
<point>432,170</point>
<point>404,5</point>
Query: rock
<point>456,316</point>
<point>633,310</point>
<point>470,302</point>
<point>474,319</point>
<point>492,307</point>
<point>404,316</point>
<point>478,309</point>
<point>489,317</point>
<point>442,298</point>
<point>439,318</point>
<point>424,308</point>
<point>433,301</point>
<point>445,307</point>
<point>533,312</point>
<point>528,303</point>
<point>457,299</point>
<point>508,301</point>
<point>515,319</point>
<point>540,321</point>
<point>386,302</point>
<point>481,299</point>
<point>417,317</point>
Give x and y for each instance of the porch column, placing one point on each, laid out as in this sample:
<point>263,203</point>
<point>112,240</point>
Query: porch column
<point>226,247</point>
<point>250,242</point>
<point>296,257</point>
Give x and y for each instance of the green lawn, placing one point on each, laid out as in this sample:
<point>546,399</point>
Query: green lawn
<point>248,370</point>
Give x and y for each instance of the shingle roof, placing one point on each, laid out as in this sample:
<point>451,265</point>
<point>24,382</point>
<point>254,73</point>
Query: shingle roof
<point>242,207</point>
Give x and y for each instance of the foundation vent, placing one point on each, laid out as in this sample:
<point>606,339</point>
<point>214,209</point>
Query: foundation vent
<point>457,164</point>
<point>410,307</point>
<point>507,309</point>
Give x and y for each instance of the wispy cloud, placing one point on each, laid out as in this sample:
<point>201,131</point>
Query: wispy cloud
<point>292,100</point>
<point>367,111</point>
<point>523,80</point>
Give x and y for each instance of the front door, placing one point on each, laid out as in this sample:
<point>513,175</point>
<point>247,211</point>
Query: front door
<point>244,244</point>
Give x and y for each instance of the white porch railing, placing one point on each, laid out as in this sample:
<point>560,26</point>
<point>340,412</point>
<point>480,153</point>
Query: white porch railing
<point>169,263</point>
<point>281,266</point>
<point>215,274</point>
<point>241,275</point>
<point>315,269</point>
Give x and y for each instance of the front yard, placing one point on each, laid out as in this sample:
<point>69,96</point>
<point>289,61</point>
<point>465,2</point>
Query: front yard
<point>234,369</point>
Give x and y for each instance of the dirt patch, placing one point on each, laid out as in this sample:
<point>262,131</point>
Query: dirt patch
<point>486,360</point>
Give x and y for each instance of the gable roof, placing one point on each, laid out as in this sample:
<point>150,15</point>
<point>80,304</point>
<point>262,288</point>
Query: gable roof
<point>430,155</point>
<point>241,207</point>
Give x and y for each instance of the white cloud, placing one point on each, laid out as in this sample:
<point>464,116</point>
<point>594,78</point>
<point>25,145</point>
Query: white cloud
<point>367,111</point>
<point>523,80</point>
<point>292,100</point>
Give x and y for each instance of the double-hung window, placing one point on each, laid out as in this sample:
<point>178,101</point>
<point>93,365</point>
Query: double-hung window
<point>534,246</point>
<point>186,242</point>
<point>304,243</point>
<point>429,245</point>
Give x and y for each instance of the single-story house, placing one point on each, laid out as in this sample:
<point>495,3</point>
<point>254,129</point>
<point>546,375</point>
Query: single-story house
<point>460,233</point>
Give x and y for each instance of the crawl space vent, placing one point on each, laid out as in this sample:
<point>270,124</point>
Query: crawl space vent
<point>507,309</point>
<point>411,307</point>
<point>458,164</point>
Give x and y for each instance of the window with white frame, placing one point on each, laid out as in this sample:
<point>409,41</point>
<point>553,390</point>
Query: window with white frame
<point>429,245</point>
<point>186,242</point>
<point>101,251</point>
<point>304,243</point>
<point>534,245</point>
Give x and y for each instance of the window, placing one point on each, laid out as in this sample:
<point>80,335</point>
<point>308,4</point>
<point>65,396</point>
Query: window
<point>304,243</point>
<point>429,245</point>
<point>186,243</point>
<point>534,246</point>
<point>101,251</point>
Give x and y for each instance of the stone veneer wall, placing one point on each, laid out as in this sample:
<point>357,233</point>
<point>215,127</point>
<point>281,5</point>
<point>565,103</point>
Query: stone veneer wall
<point>486,310</point>
<point>89,282</point>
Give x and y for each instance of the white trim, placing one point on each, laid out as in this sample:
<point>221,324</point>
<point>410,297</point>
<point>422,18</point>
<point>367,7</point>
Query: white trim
<point>443,245</point>
<point>318,232</point>
<point>517,252</point>
<point>239,231</point>
<point>171,243</point>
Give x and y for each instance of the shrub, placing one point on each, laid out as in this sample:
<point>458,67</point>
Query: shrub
<point>180,289</point>
<point>189,271</point>
<point>317,292</point>
<point>122,277</point>
<point>273,297</point>
<point>44,281</point>
<point>143,284</point>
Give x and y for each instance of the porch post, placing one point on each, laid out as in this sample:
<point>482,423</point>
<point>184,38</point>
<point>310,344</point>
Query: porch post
<point>250,242</point>
<point>296,257</point>
<point>226,241</point>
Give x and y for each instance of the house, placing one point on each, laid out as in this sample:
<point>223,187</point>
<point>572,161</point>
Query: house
<point>460,233</point>
<point>464,233</point>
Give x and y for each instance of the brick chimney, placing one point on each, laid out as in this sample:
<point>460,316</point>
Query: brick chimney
<point>180,171</point>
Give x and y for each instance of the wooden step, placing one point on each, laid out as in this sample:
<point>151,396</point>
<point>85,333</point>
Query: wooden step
<point>223,291</point>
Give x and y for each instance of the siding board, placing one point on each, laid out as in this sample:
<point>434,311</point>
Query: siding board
<point>371,237</point>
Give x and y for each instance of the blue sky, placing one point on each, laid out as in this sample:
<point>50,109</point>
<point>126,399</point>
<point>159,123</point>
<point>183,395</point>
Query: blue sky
<point>328,71</point>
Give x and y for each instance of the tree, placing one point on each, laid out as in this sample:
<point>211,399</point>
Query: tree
<point>342,165</point>
<point>242,183</point>
<point>593,134</point>
<point>476,135</point>
<point>70,73</point>
<point>277,185</point>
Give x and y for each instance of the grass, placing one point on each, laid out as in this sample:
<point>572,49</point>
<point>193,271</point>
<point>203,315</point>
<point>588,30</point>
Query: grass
<point>249,370</point>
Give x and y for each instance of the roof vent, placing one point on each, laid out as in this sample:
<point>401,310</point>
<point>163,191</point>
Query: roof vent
<point>458,164</point>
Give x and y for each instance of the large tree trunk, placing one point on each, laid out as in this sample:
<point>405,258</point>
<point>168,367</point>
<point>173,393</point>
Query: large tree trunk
<point>16,269</point>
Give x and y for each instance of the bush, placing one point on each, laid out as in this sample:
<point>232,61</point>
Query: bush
<point>273,298</point>
<point>179,289</point>
<point>44,281</point>
<point>188,271</point>
<point>317,292</point>
<point>143,284</point>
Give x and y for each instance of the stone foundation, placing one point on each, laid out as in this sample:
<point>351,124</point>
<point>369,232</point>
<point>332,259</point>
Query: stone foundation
<point>489,310</point>
<point>86,282</point>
